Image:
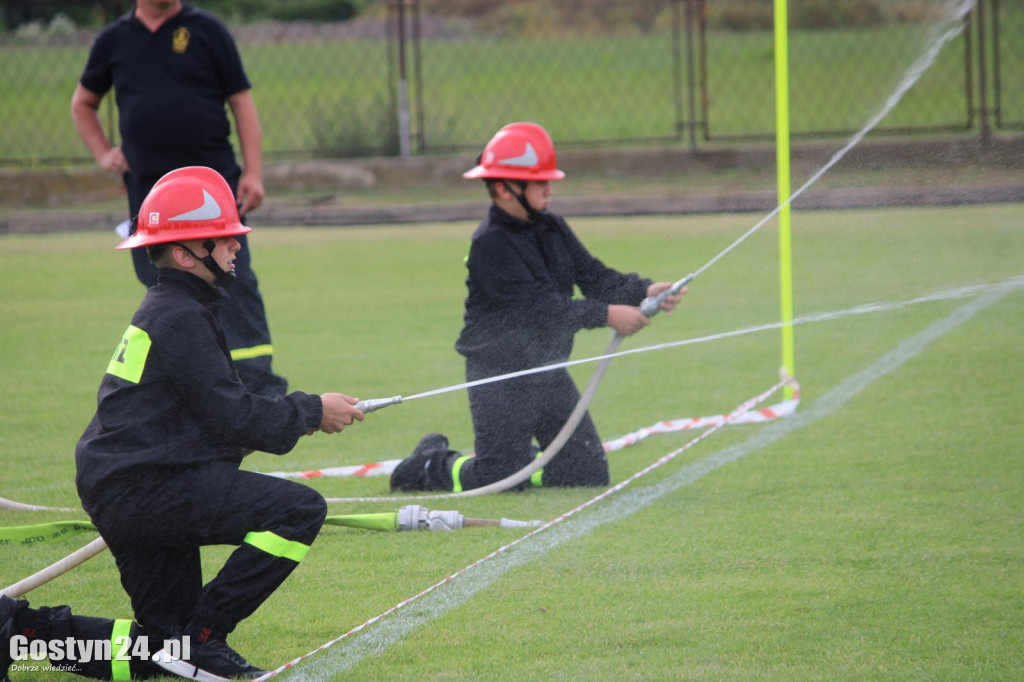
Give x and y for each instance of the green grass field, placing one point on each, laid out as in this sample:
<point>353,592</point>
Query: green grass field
<point>877,534</point>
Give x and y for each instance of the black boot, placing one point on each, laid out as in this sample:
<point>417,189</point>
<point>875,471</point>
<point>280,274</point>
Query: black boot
<point>426,468</point>
<point>208,659</point>
<point>8,609</point>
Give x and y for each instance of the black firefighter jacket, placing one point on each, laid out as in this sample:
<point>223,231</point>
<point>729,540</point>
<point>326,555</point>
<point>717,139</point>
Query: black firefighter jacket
<point>171,397</point>
<point>520,311</point>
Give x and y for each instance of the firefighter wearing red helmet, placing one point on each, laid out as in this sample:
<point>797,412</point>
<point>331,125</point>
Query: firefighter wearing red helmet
<point>520,313</point>
<point>519,151</point>
<point>158,465</point>
<point>170,215</point>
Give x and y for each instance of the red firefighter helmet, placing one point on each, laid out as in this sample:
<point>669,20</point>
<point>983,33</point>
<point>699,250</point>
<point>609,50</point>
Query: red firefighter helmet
<point>519,151</point>
<point>194,202</point>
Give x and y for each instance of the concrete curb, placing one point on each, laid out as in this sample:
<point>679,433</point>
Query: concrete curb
<point>56,190</point>
<point>30,222</point>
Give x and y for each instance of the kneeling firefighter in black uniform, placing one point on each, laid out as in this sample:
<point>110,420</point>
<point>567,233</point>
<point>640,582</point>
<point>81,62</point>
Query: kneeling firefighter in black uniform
<point>158,465</point>
<point>524,263</point>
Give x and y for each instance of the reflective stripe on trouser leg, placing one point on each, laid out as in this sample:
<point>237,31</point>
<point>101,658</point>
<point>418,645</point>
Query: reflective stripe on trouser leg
<point>102,638</point>
<point>273,522</point>
<point>537,477</point>
<point>456,467</point>
<point>120,667</point>
<point>274,544</point>
<point>251,574</point>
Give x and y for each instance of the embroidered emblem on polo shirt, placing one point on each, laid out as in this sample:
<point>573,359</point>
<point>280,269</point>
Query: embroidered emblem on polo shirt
<point>180,40</point>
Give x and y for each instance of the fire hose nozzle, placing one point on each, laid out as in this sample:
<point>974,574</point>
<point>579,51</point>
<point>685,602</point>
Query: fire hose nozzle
<point>367,406</point>
<point>652,304</point>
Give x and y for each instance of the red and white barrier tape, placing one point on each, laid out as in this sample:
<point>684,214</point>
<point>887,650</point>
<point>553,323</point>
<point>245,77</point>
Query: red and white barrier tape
<point>766,414</point>
<point>385,467</point>
<point>382,468</point>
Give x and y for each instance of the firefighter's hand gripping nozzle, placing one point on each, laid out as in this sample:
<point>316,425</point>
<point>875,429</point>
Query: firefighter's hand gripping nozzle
<point>652,304</point>
<point>367,406</point>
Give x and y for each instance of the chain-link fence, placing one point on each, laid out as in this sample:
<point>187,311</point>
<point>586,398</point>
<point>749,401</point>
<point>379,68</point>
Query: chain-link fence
<point>422,76</point>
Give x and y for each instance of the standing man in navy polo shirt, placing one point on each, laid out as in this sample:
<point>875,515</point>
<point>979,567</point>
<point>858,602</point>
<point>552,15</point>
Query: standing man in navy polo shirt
<point>173,67</point>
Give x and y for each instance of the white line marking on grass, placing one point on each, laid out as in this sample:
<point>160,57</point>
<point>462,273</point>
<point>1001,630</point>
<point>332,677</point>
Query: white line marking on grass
<point>458,591</point>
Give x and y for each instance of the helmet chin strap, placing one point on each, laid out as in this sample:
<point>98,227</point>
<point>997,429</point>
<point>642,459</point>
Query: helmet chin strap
<point>532,213</point>
<point>221,277</point>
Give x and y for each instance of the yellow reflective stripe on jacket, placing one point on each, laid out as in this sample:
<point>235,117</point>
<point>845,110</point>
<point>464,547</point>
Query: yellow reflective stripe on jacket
<point>274,544</point>
<point>120,668</point>
<point>456,467</point>
<point>250,353</point>
<point>130,356</point>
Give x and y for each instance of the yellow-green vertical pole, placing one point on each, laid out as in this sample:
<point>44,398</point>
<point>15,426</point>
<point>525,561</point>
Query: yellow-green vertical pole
<point>783,180</point>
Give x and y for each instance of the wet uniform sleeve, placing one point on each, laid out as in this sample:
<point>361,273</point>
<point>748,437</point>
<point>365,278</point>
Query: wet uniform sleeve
<point>502,272</point>
<point>598,281</point>
<point>204,376</point>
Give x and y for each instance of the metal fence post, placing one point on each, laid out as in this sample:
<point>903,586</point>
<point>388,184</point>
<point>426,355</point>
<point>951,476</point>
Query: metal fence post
<point>986,132</point>
<point>969,69</point>
<point>997,79</point>
<point>704,98</point>
<point>417,74</point>
<point>677,76</point>
<point>689,120</point>
<point>404,145</point>
<point>691,88</point>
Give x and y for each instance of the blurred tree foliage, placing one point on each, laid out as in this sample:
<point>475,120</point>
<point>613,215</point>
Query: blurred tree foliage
<point>284,10</point>
<point>14,13</point>
<point>94,13</point>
